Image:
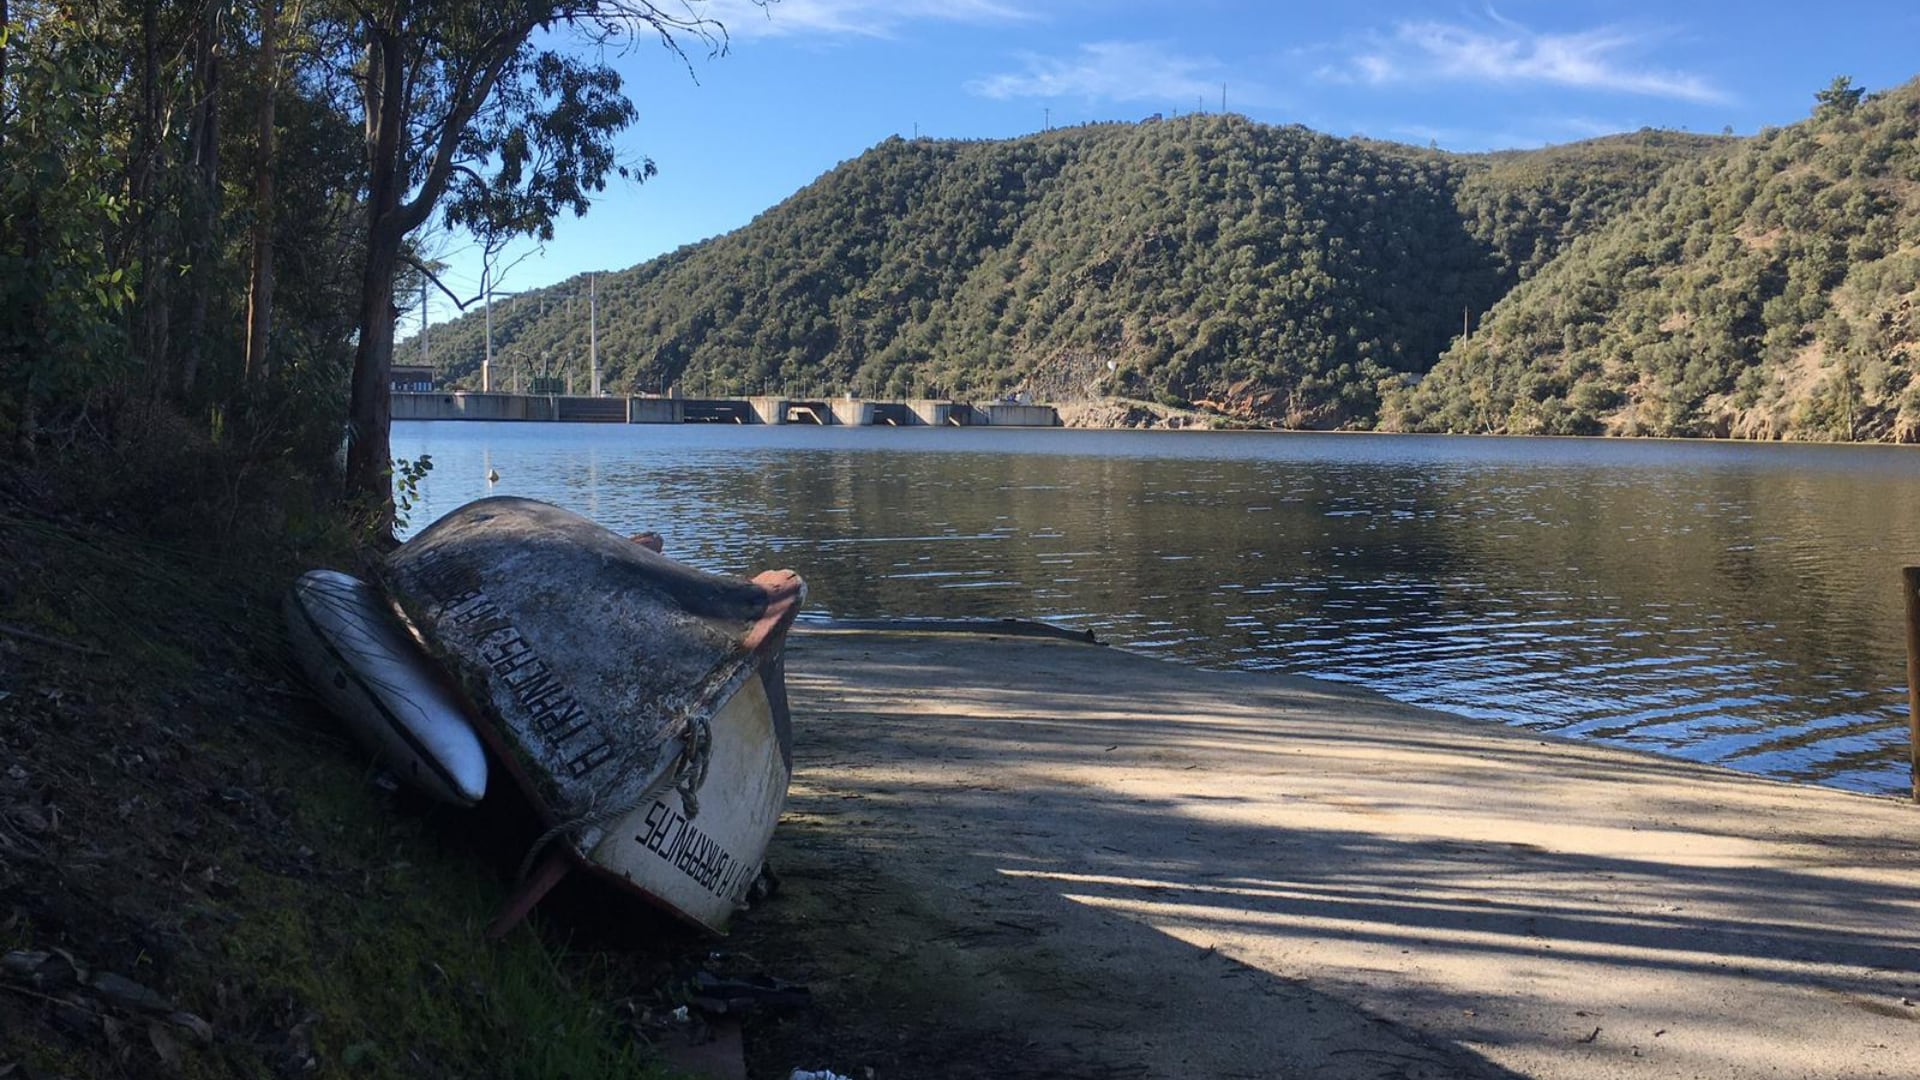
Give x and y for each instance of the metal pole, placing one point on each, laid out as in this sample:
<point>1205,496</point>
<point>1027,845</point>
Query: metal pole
<point>593,329</point>
<point>1910,577</point>
<point>486,362</point>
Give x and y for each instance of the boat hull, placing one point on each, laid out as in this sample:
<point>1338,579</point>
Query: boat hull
<point>610,680</point>
<point>371,674</point>
<point>702,866</point>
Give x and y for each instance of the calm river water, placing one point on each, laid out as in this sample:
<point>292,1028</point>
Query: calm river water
<point>1725,602</point>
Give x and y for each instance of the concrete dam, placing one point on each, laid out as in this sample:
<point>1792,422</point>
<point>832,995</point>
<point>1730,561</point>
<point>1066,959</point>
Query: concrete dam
<point>844,411</point>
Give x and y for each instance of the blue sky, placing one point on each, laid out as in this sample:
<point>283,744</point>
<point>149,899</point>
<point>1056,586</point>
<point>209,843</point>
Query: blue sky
<point>807,84</point>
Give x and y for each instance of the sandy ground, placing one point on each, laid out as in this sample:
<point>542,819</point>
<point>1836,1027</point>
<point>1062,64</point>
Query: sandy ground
<point>1010,857</point>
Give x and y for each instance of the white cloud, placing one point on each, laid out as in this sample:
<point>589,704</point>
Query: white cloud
<point>1111,71</point>
<point>1510,54</point>
<point>845,18</point>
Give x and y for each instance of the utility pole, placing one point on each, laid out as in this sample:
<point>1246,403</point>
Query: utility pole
<point>426,356</point>
<point>486,362</point>
<point>593,329</point>
<point>1048,113</point>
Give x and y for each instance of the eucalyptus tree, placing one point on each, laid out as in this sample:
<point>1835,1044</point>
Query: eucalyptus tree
<point>479,111</point>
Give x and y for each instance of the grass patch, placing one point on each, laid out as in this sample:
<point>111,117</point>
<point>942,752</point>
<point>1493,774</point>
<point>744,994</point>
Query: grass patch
<point>176,813</point>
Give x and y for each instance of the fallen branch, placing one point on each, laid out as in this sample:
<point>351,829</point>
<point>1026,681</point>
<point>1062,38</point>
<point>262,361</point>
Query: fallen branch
<point>50,642</point>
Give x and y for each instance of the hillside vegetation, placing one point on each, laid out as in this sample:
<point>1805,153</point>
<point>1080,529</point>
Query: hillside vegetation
<point>1271,272</point>
<point>1768,292</point>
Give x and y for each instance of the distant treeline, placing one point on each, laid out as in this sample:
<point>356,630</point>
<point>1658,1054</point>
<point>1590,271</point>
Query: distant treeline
<point>1658,282</point>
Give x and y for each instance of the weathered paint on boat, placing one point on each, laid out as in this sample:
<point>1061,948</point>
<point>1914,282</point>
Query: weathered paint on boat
<point>707,862</point>
<point>614,682</point>
<point>374,676</point>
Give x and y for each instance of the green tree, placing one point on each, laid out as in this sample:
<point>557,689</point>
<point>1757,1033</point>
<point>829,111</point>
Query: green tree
<point>62,291</point>
<point>1840,97</point>
<point>465,114</point>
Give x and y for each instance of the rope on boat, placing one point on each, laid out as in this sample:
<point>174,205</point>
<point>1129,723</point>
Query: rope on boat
<point>688,770</point>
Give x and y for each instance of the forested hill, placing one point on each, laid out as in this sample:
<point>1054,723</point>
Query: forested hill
<point>1769,292</point>
<point>1268,270</point>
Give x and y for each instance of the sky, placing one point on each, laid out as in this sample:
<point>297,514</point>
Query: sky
<point>806,84</point>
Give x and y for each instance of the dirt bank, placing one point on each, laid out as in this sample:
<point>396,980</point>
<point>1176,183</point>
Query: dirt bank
<point>1028,858</point>
<point>199,876</point>
<point>1125,413</point>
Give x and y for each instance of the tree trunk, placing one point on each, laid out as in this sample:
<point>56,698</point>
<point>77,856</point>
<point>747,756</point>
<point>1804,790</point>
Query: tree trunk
<point>369,450</point>
<point>3,68</point>
<point>260,284</point>
<point>369,408</point>
<point>33,320</point>
<point>150,309</point>
<point>203,198</point>
<point>385,93</point>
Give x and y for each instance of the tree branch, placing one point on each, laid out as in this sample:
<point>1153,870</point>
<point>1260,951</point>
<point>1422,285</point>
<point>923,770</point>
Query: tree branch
<point>414,261</point>
<point>409,215</point>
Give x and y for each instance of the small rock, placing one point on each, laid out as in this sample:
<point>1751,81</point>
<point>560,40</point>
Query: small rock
<point>124,992</point>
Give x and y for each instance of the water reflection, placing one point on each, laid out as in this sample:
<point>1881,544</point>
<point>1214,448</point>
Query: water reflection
<point>1729,603</point>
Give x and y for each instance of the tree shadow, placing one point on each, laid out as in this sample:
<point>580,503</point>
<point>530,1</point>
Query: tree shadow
<point>1061,794</point>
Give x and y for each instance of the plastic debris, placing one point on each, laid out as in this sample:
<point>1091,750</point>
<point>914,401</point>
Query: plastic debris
<point>731,997</point>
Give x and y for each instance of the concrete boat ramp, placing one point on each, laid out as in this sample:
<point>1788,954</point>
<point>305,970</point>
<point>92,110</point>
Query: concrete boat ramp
<point>1016,857</point>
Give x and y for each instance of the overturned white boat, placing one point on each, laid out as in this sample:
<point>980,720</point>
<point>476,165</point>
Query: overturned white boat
<point>394,700</point>
<point>639,703</point>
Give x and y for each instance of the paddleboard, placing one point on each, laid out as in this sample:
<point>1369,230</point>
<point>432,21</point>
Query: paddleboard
<point>374,676</point>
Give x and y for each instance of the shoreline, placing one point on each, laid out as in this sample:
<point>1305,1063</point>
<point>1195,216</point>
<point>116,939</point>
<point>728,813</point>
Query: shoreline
<point>1194,421</point>
<point>1087,862</point>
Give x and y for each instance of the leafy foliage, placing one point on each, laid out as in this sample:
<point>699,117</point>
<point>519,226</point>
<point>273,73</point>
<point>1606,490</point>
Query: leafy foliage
<point>64,341</point>
<point>123,260</point>
<point>1765,293</point>
<point>1269,270</point>
<point>1840,96</point>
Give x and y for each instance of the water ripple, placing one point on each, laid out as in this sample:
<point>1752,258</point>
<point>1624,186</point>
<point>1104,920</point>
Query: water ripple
<point>1725,602</point>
